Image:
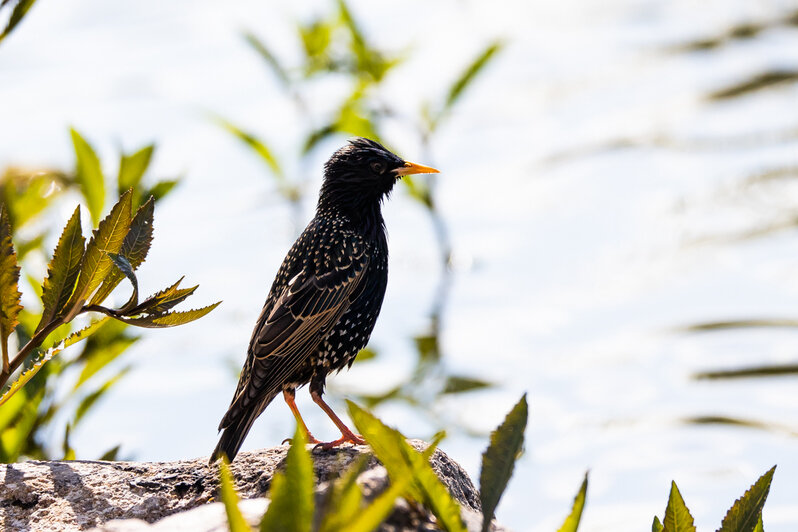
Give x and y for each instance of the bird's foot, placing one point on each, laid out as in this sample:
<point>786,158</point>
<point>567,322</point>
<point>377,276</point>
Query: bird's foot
<point>346,437</point>
<point>311,439</point>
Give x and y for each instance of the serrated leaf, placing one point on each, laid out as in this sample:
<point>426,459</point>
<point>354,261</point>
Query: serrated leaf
<point>164,300</point>
<point>746,511</point>
<point>63,270</point>
<point>9,279</point>
<point>291,506</point>
<point>235,519</point>
<point>168,319</point>
<point>499,458</point>
<point>656,525</point>
<point>28,374</point>
<point>18,13</point>
<point>571,523</point>
<point>134,250</point>
<point>677,516</point>
<point>132,168</point>
<point>107,238</point>
<point>405,464</point>
<point>89,175</point>
<point>89,400</point>
<point>760,527</point>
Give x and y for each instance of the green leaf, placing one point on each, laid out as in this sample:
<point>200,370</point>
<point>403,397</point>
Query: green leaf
<point>134,250</point>
<point>470,73</point>
<point>571,523</point>
<point>405,464</point>
<point>656,525</point>
<point>677,516</point>
<point>374,514</point>
<point>344,498</point>
<point>457,384</point>
<point>107,238</point>
<point>746,511</point>
<point>103,348</point>
<point>9,290</point>
<point>499,458</point>
<point>69,452</point>
<point>257,145</point>
<point>164,300</point>
<point>161,189</point>
<point>28,374</point>
<point>269,57</point>
<point>91,399</point>
<point>235,519</point>
<point>760,527</point>
<point>132,168</point>
<point>89,175</point>
<point>111,454</point>
<point>291,506</point>
<point>63,270</point>
<point>366,353</point>
<point>19,12</point>
<point>168,319</point>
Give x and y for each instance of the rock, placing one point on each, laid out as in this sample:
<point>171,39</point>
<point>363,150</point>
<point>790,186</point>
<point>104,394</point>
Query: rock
<point>62,496</point>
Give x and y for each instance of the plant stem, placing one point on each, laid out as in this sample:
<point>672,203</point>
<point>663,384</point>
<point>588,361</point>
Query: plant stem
<point>32,344</point>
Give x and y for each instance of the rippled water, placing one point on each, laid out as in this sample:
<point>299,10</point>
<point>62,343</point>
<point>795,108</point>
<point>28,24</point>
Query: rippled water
<point>624,171</point>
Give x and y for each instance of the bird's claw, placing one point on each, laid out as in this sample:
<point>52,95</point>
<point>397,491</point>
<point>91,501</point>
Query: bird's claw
<point>354,439</point>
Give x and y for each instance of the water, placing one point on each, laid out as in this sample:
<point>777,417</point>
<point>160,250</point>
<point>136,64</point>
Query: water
<point>599,203</point>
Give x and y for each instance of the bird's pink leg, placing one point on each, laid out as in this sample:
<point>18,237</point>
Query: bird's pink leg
<point>346,434</point>
<point>289,396</point>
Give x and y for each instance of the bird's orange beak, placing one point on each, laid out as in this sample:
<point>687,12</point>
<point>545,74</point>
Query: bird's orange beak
<point>413,168</point>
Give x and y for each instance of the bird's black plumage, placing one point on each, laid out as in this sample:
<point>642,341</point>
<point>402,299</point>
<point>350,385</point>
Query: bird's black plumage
<point>327,294</point>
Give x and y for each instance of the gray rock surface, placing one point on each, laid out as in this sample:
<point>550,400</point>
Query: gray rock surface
<point>131,496</point>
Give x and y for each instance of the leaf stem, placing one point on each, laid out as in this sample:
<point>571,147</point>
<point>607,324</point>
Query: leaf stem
<point>32,344</point>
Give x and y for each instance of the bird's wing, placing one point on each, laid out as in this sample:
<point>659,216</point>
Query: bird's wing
<point>302,315</point>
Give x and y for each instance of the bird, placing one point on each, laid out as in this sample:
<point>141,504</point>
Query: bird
<point>326,296</point>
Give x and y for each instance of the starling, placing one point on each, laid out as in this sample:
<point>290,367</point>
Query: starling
<point>326,296</point>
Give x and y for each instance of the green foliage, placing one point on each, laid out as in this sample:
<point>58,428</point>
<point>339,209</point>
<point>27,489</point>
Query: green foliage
<point>677,516</point>
<point>79,278</point>
<point>9,293</point>
<point>499,459</point>
<point>17,14</point>
<point>405,464</point>
<point>571,523</point>
<point>656,525</point>
<point>291,493</point>
<point>235,518</point>
<point>746,512</point>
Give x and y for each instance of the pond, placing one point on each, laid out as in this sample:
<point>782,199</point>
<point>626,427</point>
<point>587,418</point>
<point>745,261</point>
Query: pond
<point>620,193</point>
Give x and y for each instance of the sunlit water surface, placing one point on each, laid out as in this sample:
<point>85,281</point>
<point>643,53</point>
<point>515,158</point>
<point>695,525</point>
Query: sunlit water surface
<point>577,257</point>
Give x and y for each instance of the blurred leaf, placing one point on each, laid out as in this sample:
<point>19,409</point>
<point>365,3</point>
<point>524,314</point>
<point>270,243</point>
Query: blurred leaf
<point>69,452</point>
<point>437,438</point>
<point>63,270</point>
<point>428,348</point>
<point>235,519</point>
<point>89,175</point>
<point>656,525</point>
<point>13,439</point>
<point>677,516</point>
<point>132,168</point>
<point>107,238</point>
<point>19,12</point>
<point>760,371</point>
<point>571,523</point>
<point>758,82</point>
<point>741,324</point>
<point>316,38</point>
<point>498,460</point>
<point>745,513</point>
<point>365,354</point>
<point>29,373</point>
<point>160,189</point>
<point>405,464</point>
<point>369,61</point>
<point>9,289</point>
<point>26,246</point>
<point>169,319</point>
<point>89,400</point>
<point>455,384</point>
<point>134,250</point>
<point>257,145</point>
<point>105,346</point>
<point>111,454</point>
<point>316,136</point>
<point>370,517</point>
<point>343,498</point>
<point>11,410</point>
<point>291,493</point>
<point>270,58</point>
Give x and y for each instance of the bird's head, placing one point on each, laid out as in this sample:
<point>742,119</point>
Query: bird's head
<point>361,174</point>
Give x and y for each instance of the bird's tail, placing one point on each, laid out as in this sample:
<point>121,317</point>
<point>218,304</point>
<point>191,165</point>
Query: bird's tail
<point>235,426</point>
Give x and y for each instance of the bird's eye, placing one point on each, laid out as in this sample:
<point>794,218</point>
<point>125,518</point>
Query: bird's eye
<point>378,167</point>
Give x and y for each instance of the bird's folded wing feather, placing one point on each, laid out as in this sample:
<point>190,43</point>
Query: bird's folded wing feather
<point>303,314</point>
